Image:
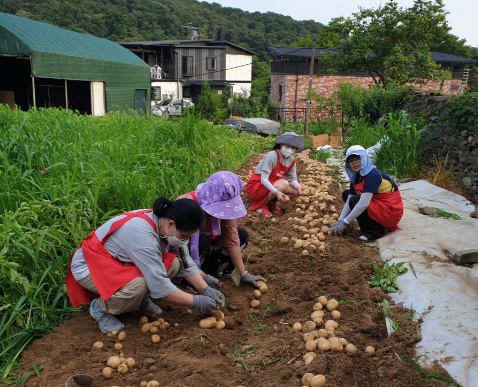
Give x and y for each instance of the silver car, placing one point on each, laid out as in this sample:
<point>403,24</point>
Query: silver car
<point>175,107</point>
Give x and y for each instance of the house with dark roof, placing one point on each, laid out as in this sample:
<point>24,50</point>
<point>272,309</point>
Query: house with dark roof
<point>179,67</point>
<point>47,66</point>
<point>290,79</point>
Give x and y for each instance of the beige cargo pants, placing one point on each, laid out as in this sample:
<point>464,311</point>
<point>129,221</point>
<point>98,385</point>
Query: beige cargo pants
<point>129,297</point>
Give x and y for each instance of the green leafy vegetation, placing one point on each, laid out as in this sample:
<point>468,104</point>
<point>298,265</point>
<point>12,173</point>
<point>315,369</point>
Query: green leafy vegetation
<point>63,174</point>
<point>320,154</point>
<point>463,109</point>
<point>386,278</point>
<point>439,213</point>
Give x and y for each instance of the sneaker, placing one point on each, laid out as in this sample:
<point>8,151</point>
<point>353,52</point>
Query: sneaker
<point>148,306</point>
<point>366,237</point>
<point>274,207</point>
<point>264,210</point>
<point>107,322</point>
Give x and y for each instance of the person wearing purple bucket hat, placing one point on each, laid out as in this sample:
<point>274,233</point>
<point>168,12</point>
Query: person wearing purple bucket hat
<point>218,248</point>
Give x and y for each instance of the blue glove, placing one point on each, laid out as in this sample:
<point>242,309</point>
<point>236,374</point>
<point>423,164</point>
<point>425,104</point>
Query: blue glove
<point>251,279</point>
<point>213,282</point>
<point>216,295</point>
<point>337,227</point>
<point>203,303</point>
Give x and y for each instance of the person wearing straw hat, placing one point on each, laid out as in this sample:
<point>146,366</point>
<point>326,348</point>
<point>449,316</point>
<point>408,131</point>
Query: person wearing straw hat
<point>275,177</point>
<point>130,260</point>
<point>219,246</point>
<point>373,198</point>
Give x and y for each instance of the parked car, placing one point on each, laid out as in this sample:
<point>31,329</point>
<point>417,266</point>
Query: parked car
<point>175,107</point>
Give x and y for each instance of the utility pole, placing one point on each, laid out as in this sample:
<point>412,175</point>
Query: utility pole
<point>307,109</point>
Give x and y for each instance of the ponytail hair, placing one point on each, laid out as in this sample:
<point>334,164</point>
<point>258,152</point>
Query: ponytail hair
<point>186,213</point>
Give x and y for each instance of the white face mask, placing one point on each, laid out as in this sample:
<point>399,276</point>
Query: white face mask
<point>286,151</point>
<point>174,240</point>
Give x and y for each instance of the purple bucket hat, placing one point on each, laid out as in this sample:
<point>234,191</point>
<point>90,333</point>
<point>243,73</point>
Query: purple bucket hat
<point>220,196</point>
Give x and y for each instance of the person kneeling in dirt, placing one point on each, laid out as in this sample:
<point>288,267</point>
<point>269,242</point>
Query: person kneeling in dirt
<point>266,185</point>
<point>219,246</point>
<point>373,198</point>
<point>132,258</point>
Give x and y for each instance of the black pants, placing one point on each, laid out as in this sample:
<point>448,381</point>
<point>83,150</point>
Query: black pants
<point>215,259</point>
<point>367,225</point>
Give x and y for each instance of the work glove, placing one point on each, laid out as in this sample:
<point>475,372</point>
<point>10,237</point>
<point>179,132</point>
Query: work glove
<point>213,282</point>
<point>337,227</point>
<point>203,303</point>
<point>216,295</point>
<point>251,279</point>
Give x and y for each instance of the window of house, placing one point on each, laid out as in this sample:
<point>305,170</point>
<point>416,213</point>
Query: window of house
<point>187,65</point>
<point>187,92</point>
<point>211,63</point>
<point>280,92</point>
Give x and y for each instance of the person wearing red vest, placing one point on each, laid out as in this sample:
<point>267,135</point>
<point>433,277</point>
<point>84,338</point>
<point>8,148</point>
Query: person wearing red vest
<point>218,248</point>
<point>275,177</point>
<point>130,260</point>
<point>373,198</point>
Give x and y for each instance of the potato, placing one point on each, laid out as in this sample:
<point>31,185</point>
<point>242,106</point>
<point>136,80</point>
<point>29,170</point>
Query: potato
<point>331,324</point>
<point>336,346</point>
<point>113,361</point>
<point>213,321</point>
<point>98,345</point>
<point>143,320</point>
<point>332,305</point>
<point>122,369</point>
<point>263,288</point>
<point>122,336</point>
<point>286,198</point>
<point>284,240</point>
<point>107,372</point>
<point>144,383</point>
<point>309,336</point>
<point>311,345</point>
<point>322,300</point>
<point>323,345</point>
<point>323,333</point>
<point>294,239</point>
<point>155,323</point>
<point>305,252</point>
<point>146,327</point>
<point>220,324</point>
<point>343,341</point>
<point>166,324</point>
<point>309,355</point>
<point>176,324</point>
<point>130,362</point>
<point>370,351</point>
<point>317,381</point>
<point>335,314</point>
<point>306,379</point>
<point>118,346</point>
<point>306,236</point>
<point>152,383</point>
<point>317,306</point>
<point>298,244</point>
<point>189,311</point>
<point>160,320</point>
<point>318,314</point>
<point>309,326</point>
<point>257,294</point>
<point>350,349</point>
<point>255,303</point>
<point>297,327</point>
<point>206,324</point>
<point>155,339</point>
<point>218,315</point>
<point>153,329</point>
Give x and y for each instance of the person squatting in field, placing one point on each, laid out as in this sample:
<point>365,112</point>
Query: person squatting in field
<point>275,177</point>
<point>373,198</point>
<point>130,260</point>
<point>220,244</point>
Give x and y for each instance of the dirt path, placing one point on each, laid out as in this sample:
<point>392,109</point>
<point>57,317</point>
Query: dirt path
<point>258,346</point>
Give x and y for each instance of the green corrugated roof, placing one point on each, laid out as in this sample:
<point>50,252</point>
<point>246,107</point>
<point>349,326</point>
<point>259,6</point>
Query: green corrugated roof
<point>22,36</point>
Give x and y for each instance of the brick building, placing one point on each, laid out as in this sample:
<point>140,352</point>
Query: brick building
<point>290,79</point>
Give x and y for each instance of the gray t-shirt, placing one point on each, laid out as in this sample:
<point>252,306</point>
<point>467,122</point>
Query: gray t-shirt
<point>136,242</point>
<point>269,162</point>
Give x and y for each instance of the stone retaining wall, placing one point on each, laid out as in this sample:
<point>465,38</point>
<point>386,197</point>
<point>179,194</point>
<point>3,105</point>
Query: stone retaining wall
<point>460,144</point>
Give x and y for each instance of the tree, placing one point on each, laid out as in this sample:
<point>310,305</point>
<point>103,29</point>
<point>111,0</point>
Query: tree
<point>391,43</point>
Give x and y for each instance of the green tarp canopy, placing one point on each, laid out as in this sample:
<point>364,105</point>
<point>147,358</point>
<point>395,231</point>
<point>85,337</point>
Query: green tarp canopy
<point>62,54</point>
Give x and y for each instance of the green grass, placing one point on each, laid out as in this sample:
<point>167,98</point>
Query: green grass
<point>62,175</point>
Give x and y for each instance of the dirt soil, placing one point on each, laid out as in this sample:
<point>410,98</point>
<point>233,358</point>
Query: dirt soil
<point>258,347</point>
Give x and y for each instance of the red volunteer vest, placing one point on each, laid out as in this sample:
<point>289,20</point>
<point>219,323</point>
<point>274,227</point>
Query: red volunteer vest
<point>385,208</point>
<point>108,274</point>
<point>256,191</point>
<point>208,219</point>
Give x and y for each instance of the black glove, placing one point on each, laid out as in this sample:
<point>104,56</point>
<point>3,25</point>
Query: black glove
<point>337,227</point>
<point>216,295</point>
<point>213,282</point>
<point>203,303</point>
<point>251,279</point>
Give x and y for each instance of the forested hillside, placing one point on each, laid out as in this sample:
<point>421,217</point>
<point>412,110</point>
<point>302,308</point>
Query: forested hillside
<point>131,20</point>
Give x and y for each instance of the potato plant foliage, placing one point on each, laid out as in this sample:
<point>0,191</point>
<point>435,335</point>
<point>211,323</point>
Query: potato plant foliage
<point>62,175</point>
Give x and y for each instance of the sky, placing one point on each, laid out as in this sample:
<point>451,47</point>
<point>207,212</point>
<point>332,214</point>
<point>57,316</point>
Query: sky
<point>462,17</point>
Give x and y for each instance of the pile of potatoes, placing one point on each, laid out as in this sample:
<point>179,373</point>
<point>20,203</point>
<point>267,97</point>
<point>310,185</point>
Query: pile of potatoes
<point>215,321</point>
<point>313,380</point>
<point>153,327</point>
<point>258,294</point>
